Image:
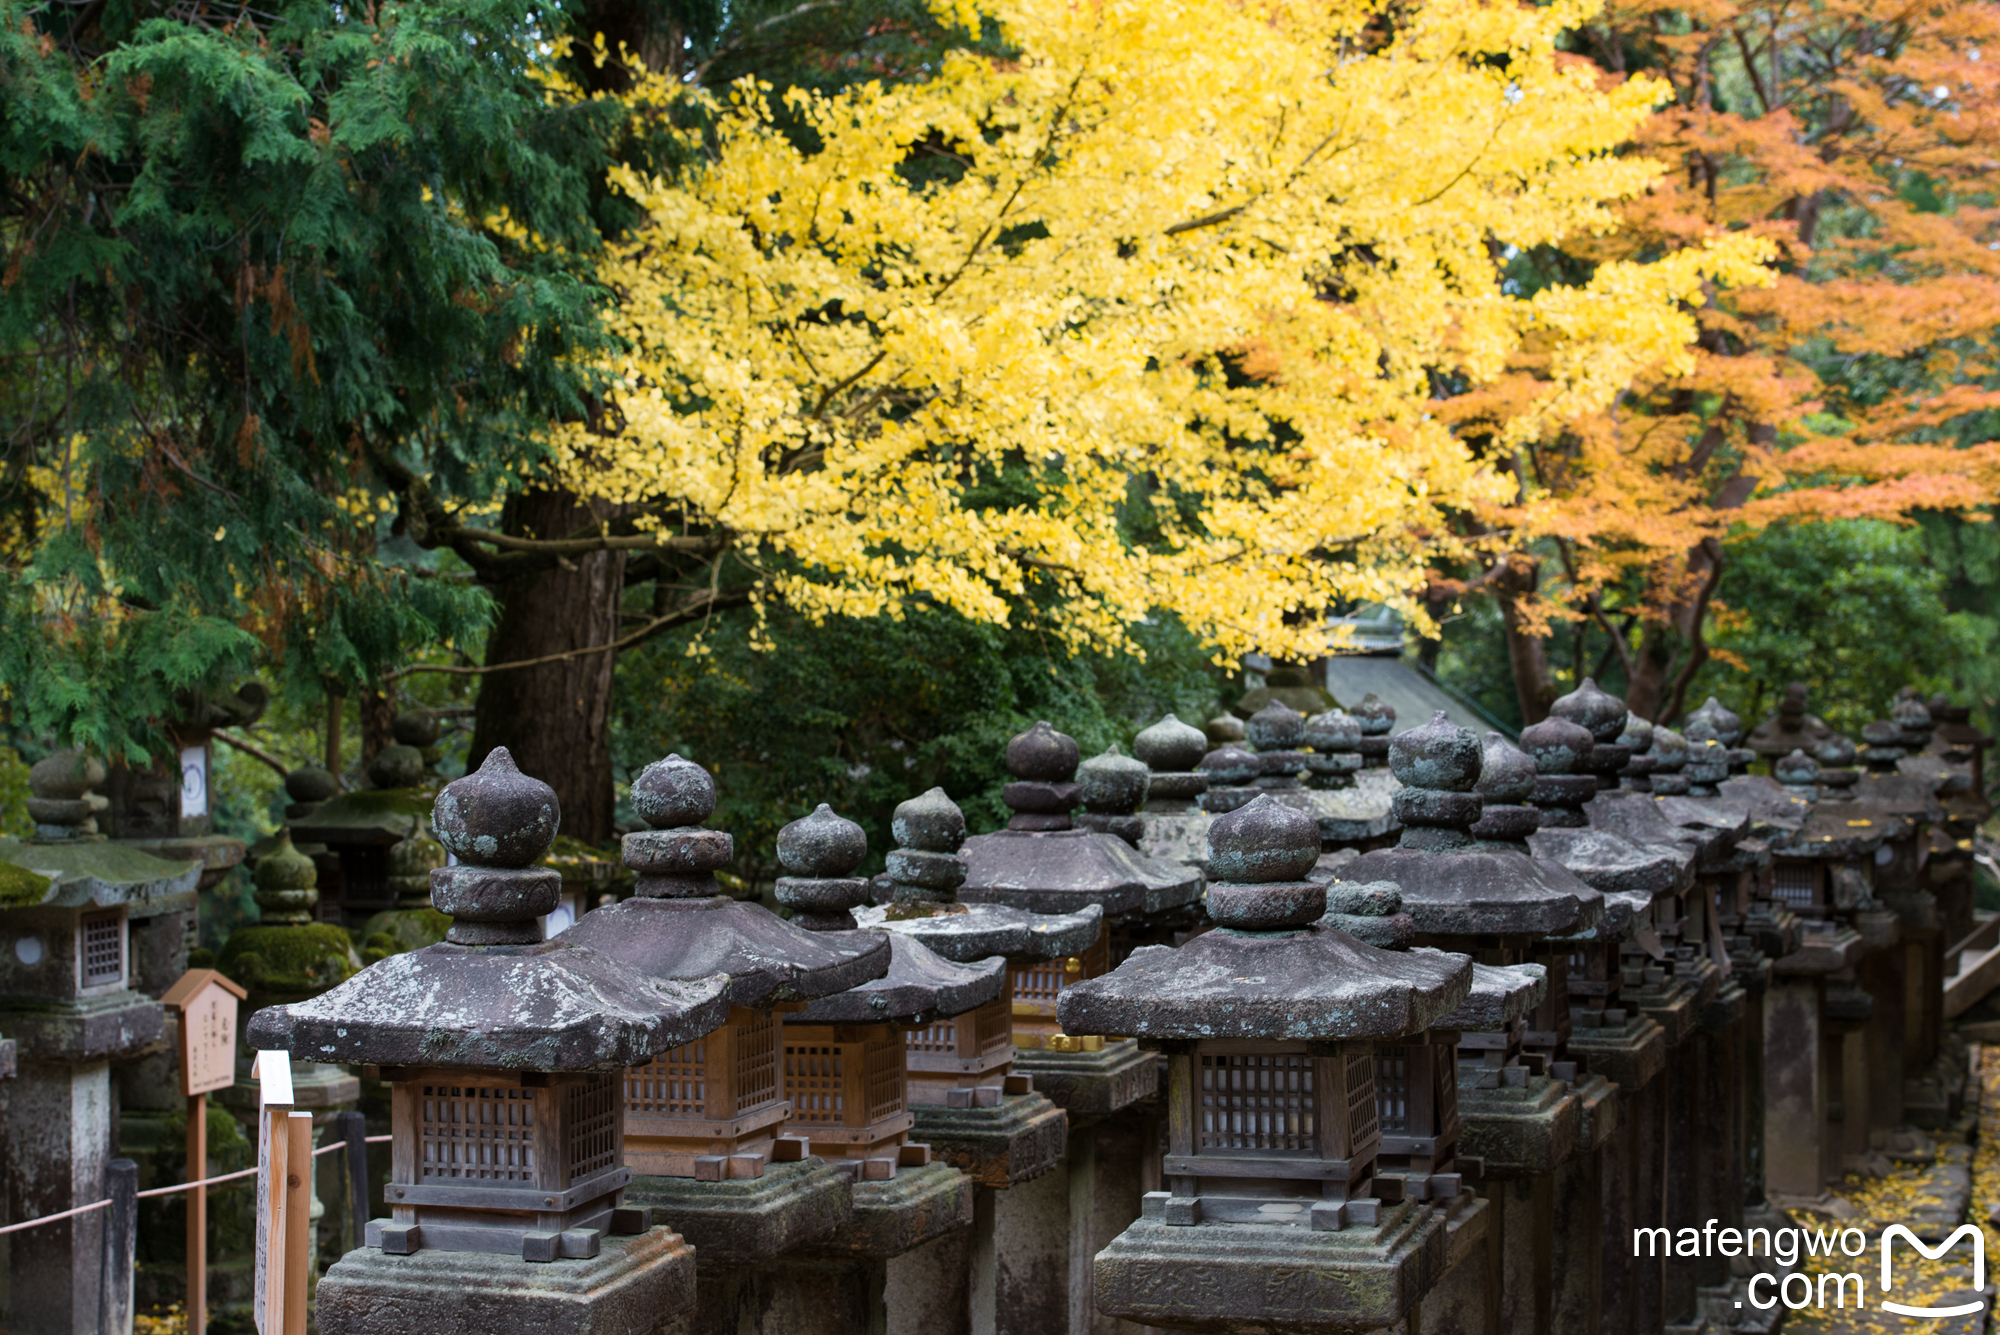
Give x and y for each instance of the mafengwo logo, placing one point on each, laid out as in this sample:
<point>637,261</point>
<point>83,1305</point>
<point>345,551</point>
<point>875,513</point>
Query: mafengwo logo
<point>1798,1290</point>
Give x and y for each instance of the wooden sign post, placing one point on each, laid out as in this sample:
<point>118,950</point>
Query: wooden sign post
<point>206,1004</point>
<point>284,1200</point>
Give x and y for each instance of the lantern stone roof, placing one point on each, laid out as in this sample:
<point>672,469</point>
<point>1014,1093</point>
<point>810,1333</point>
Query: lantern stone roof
<point>678,926</point>
<point>921,985</point>
<point>92,873</point>
<point>1275,969</point>
<point>1452,885</point>
<point>1607,861</point>
<point>495,997</point>
<point>1500,995</point>
<point>965,933</point>
<point>1311,983</point>
<point>1059,871</point>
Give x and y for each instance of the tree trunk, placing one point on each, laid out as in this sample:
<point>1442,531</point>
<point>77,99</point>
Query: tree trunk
<point>555,718</point>
<point>378,713</point>
<point>1658,690</point>
<point>1527,655</point>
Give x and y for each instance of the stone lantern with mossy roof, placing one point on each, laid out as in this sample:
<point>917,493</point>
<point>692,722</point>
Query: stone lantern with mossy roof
<point>505,1054</point>
<point>1270,1025</point>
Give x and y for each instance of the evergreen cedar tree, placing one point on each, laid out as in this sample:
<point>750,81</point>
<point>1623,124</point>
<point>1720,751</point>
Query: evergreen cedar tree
<point>1861,141</point>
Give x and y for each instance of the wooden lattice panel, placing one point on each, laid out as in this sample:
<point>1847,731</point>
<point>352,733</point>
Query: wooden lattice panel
<point>1361,1111</point>
<point>1444,1091</point>
<point>473,1134</point>
<point>1392,1092</point>
<point>673,1084</point>
<point>1256,1101</point>
<point>816,1082</point>
<point>590,1127</point>
<point>102,944</point>
<point>882,1079</point>
<point>758,1084</point>
<point>1795,885</point>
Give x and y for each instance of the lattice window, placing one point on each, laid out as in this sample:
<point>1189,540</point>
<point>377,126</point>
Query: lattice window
<point>816,1083</point>
<point>1361,1114</point>
<point>1392,1091</point>
<point>1444,1089</point>
<point>103,937</point>
<point>673,1084</point>
<point>1260,1101</point>
<point>882,1079</point>
<point>996,1027</point>
<point>757,1063</point>
<point>939,1039</point>
<point>477,1133</point>
<point>590,1125</point>
<point>1794,884</point>
<point>1040,981</point>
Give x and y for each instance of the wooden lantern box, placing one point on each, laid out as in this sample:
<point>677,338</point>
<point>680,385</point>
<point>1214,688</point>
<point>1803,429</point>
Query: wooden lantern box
<point>523,1166</point>
<point>963,1061</point>
<point>1249,1138</point>
<point>849,1096</point>
<point>715,1108</point>
<point>1416,1100</point>
<point>1037,984</point>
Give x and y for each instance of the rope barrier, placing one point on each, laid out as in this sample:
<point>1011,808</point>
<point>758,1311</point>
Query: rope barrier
<point>178,1188</point>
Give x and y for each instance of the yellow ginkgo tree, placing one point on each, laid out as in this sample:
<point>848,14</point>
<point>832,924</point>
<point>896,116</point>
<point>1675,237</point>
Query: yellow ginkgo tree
<point>1152,312</point>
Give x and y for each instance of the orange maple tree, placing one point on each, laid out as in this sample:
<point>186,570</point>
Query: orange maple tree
<point>1862,138</point>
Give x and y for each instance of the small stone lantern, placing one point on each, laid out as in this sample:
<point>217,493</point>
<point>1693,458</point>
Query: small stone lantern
<point>1378,720</point>
<point>1270,1025</point>
<point>1113,788</point>
<point>1335,755</point>
<point>1790,729</point>
<point>1670,757</point>
<point>504,1053</point>
<point>705,1122</point>
<point>1173,826</point>
<point>1055,870</point>
<point>970,1105</point>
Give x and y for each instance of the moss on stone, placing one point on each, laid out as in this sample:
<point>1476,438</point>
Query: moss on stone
<point>305,958</point>
<point>394,931</point>
<point>20,888</point>
<point>97,859</point>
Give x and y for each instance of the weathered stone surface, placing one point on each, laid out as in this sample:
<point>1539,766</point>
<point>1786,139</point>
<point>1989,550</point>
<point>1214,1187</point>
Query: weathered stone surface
<point>919,985</point>
<point>1607,862</point>
<point>1170,746</point>
<point>1312,984</point>
<point>893,1216</point>
<point>1593,709</point>
<point>1265,907</point>
<point>1269,1278</point>
<point>1042,753</point>
<point>740,1220</point>
<point>968,932</point>
<point>1520,1131</point>
<point>115,1024</point>
<point>1356,815</point>
<point>1112,783</point>
<point>631,1287</point>
<point>1826,947</point>
<point>1060,871</point>
<point>1022,1138</point>
<point>1482,891</point>
<point>1092,1084</point>
<point>767,959</point>
<point>497,816</point>
<point>1262,842</point>
<point>554,1006</point>
<point>1628,1054</point>
<point>85,873</point>
<point>1500,995</point>
<point>673,792</point>
<point>1176,836</point>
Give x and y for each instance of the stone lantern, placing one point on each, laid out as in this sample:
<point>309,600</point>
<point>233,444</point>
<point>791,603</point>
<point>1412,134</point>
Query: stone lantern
<point>1334,739</point>
<point>504,1054</point>
<point>1172,824</point>
<point>1041,865</point>
<point>1270,1026</point>
<point>705,1122</point>
<point>1669,751</point>
<point>1112,788</point>
<point>845,1054</point>
<point>1232,773</point>
<point>1790,729</point>
<point>358,829</point>
<point>1378,720</point>
<point>70,1002</point>
<point>1520,1120</point>
<point>970,1104</point>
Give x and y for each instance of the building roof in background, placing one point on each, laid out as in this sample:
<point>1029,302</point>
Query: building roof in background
<point>1406,686</point>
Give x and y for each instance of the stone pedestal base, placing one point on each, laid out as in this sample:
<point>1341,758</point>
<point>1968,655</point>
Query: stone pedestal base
<point>1520,1131</point>
<point>996,1147</point>
<point>633,1286</point>
<point>1629,1055</point>
<point>906,1211</point>
<point>1266,1277</point>
<point>742,1220</point>
<point>1092,1084</point>
<point>1465,1301</point>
